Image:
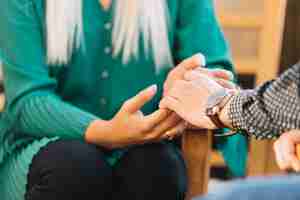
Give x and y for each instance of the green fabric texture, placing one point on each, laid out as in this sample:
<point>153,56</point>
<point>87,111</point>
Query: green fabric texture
<point>46,103</point>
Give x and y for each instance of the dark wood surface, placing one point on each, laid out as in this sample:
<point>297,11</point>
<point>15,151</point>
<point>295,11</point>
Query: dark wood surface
<point>196,147</point>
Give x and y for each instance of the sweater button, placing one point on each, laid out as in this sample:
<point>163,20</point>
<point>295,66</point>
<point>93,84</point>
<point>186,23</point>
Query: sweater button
<point>104,74</point>
<point>103,101</point>
<point>107,26</point>
<point>107,50</point>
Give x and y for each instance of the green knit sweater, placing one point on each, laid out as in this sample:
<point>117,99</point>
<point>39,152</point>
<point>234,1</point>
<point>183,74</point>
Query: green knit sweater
<point>46,103</point>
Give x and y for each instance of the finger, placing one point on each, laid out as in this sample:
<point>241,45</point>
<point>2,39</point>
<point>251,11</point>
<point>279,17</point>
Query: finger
<point>176,131</point>
<point>284,152</point>
<point>226,84</point>
<point>195,75</point>
<point>281,162</point>
<point>295,162</point>
<point>165,125</point>
<point>136,103</point>
<point>213,73</point>
<point>153,119</point>
<point>169,103</point>
<point>197,60</point>
<point>222,74</point>
<point>283,165</point>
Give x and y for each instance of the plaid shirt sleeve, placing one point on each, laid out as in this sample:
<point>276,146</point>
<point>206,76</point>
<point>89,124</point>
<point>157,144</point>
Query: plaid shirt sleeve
<point>271,109</point>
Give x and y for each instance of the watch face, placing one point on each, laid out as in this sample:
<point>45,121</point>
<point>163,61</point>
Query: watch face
<point>216,98</point>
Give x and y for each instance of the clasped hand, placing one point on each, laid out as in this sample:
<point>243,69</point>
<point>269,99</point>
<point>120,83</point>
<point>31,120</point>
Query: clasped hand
<point>181,102</point>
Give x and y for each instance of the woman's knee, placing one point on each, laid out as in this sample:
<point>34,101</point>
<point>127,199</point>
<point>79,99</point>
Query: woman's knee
<point>72,156</point>
<point>160,166</point>
<point>69,166</point>
<point>161,156</point>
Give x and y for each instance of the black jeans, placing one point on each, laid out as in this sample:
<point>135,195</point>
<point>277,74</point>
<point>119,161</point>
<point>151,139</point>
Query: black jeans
<point>74,170</point>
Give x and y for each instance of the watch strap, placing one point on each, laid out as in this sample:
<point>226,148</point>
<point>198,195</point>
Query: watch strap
<point>214,116</point>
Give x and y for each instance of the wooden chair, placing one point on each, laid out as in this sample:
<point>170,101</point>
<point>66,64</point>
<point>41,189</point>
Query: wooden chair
<point>197,151</point>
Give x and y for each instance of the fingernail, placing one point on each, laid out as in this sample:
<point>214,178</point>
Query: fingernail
<point>152,89</point>
<point>202,60</point>
<point>231,76</point>
<point>161,105</point>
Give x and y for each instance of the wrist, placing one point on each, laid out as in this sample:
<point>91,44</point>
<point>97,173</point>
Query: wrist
<point>98,131</point>
<point>216,103</point>
<point>224,115</point>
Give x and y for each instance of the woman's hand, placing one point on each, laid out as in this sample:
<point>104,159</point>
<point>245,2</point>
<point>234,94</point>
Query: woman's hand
<point>130,126</point>
<point>198,60</point>
<point>221,76</point>
<point>285,151</point>
<point>195,66</point>
<point>192,68</point>
<point>188,98</point>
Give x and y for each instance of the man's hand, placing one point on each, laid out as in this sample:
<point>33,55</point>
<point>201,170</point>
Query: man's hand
<point>188,98</point>
<point>285,151</point>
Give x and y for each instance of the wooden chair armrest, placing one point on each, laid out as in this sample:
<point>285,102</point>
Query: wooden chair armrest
<point>197,148</point>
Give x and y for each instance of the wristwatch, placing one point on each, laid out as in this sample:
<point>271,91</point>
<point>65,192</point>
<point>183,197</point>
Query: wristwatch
<point>215,103</point>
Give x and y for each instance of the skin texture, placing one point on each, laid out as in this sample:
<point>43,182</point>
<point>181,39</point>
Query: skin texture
<point>285,151</point>
<point>105,4</point>
<point>184,99</point>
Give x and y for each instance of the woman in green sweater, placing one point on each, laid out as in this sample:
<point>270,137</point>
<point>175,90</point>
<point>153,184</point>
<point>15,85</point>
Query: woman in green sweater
<point>73,72</point>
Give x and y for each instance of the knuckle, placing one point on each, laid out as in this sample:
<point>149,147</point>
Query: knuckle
<point>145,127</point>
<point>179,83</point>
<point>166,87</point>
<point>171,73</point>
<point>126,104</point>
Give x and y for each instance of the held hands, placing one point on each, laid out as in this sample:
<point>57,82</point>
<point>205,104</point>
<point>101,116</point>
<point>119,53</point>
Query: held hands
<point>188,98</point>
<point>286,151</point>
<point>181,94</point>
<point>194,66</point>
<point>188,85</point>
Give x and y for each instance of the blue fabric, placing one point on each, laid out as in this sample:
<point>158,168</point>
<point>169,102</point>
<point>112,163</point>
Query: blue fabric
<point>271,188</point>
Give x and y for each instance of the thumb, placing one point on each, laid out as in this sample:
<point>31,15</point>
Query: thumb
<point>197,60</point>
<point>136,103</point>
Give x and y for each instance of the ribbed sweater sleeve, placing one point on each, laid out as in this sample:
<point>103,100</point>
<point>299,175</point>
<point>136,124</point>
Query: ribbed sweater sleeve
<point>46,115</point>
<point>32,103</point>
